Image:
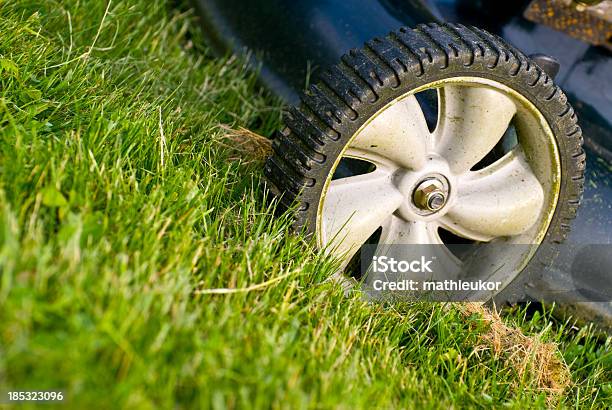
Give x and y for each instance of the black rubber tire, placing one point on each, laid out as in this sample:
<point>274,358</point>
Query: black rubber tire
<point>366,79</point>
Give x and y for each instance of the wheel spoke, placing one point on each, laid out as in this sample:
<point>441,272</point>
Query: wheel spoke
<point>399,134</point>
<point>399,231</point>
<point>472,121</point>
<point>355,207</point>
<point>503,199</point>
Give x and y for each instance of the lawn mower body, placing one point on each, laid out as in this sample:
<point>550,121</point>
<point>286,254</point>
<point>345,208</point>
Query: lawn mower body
<point>289,42</point>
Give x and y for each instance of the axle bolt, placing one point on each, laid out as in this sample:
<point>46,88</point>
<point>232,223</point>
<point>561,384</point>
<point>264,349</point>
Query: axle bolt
<point>435,201</point>
<point>430,195</point>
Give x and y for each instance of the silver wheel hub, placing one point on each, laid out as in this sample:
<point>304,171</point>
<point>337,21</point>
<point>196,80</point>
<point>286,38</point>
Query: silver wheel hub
<point>426,180</point>
<point>427,193</point>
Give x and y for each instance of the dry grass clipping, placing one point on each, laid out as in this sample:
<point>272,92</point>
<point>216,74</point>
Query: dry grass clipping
<point>535,361</point>
<point>245,145</point>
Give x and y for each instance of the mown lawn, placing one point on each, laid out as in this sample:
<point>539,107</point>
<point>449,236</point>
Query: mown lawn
<point>122,204</point>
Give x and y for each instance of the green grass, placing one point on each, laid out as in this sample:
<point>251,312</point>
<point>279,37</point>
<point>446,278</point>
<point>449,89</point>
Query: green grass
<point>119,202</point>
